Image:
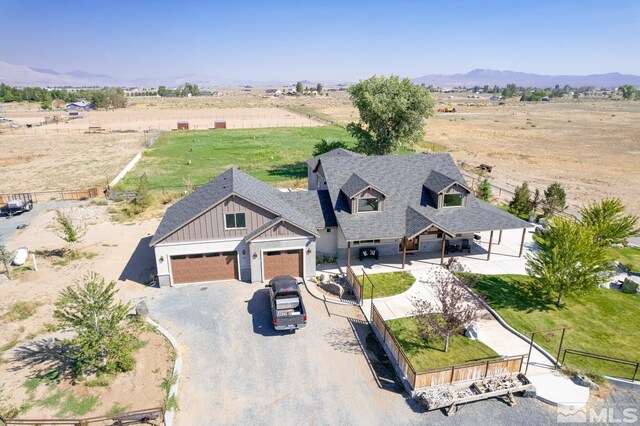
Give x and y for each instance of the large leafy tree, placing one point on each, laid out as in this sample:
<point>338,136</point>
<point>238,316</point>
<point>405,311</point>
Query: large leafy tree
<point>568,260</point>
<point>608,222</point>
<point>392,113</point>
<point>102,342</point>
<point>628,91</point>
<point>453,309</point>
<point>555,200</point>
<point>520,204</point>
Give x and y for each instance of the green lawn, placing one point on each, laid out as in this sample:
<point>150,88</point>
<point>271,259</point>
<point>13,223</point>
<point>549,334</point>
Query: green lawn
<point>388,284</point>
<point>604,322</point>
<point>276,155</point>
<point>425,354</point>
<point>628,256</point>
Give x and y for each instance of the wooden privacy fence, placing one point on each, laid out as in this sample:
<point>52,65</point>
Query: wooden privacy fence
<point>149,416</point>
<point>43,196</point>
<point>444,375</point>
<point>353,279</point>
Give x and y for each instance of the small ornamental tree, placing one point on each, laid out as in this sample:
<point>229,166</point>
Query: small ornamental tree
<point>326,145</point>
<point>555,200</point>
<point>5,259</point>
<point>608,222</point>
<point>520,204</point>
<point>535,200</point>
<point>484,191</point>
<point>67,229</point>
<point>568,259</point>
<point>455,308</point>
<point>142,199</point>
<point>102,342</point>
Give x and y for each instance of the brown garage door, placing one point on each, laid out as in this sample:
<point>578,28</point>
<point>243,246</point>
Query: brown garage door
<point>286,262</point>
<point>195,268</point>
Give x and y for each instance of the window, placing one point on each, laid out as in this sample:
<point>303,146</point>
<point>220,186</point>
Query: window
<point>235,221</point>
<point>368,205</point>
<point>356,243</point>
<point>453,200</point>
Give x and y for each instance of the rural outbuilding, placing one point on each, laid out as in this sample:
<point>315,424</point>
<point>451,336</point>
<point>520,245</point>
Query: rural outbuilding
<point>183,125</point>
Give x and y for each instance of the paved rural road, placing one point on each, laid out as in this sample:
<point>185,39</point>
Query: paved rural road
<point>238,370</point>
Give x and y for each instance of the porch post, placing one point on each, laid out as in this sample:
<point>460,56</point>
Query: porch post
<point>348,253</point>
<point>490,242</point>
<point>500,237</point>
<point>524,232</point>
<point>404,251</point>
<point>442,251</point>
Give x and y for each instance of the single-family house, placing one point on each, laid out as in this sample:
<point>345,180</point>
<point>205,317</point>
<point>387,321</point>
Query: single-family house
<point>81,105</point>
<point>237,227</point>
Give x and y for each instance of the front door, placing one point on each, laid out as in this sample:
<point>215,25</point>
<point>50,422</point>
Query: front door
<point>411,245</point>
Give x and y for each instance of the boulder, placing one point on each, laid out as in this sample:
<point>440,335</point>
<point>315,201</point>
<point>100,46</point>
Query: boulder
<point>332,288</point>
<point>472,332</point>
<point>631,285</point>
<point>581,380</point>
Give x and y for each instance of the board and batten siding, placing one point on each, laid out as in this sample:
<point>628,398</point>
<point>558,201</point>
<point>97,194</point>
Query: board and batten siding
<point>282,230</point>
<point>211,225</point>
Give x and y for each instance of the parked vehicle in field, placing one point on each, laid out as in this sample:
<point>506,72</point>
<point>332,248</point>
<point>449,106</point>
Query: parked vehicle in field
<point>21,256</point>
<point>287,307</point>
<point>18,206</point>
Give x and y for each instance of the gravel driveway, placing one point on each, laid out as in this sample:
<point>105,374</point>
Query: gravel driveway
<point>238,370</point>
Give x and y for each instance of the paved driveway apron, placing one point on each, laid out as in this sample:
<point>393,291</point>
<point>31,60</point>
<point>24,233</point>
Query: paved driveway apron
<point>238,370</point>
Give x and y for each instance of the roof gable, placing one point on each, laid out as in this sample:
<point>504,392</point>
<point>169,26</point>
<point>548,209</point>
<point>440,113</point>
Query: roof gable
<point>232,181</point>
<point>438,182</point>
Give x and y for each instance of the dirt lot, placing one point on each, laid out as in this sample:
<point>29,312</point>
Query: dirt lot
<point>63,161</point>
<point>113,250</point>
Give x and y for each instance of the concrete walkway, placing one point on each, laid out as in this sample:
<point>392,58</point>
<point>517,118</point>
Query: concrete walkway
<point>551,386</point>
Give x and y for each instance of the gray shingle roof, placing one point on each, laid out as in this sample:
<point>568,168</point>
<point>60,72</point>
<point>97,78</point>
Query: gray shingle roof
<point>438,182</point>
<point>354,185</point>
<point>260,229</point>
<point>402,179</point>
<point>316,205</point>
<point>336,153</point>
<point>232,181</point>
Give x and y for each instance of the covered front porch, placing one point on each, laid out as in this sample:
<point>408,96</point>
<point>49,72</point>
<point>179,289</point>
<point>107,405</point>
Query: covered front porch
<point>497,252</point>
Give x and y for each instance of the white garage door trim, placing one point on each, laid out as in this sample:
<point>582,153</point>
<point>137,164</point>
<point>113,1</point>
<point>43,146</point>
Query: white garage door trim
<point>304,263</point>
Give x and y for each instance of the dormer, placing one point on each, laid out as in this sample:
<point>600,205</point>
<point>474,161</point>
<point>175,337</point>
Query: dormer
<point>445,191</point>
<point>363,197</point>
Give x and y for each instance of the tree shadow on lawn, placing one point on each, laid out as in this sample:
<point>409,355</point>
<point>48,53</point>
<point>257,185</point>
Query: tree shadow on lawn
<point>518,295</point>
<point>290,171</point>
<point>46,355</point>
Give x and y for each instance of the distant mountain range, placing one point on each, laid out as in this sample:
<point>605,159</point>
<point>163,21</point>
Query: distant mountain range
<point>480,77</point>
<point>20,75</point>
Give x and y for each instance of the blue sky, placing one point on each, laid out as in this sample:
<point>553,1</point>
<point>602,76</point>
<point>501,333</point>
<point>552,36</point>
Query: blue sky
<point>330,40</point>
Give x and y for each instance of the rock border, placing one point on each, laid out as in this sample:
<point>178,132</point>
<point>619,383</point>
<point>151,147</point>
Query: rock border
<point>177,368</point>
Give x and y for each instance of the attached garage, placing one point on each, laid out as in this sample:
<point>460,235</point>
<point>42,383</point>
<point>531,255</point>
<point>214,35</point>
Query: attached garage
<point>282,262</point>
<point>195,268</point>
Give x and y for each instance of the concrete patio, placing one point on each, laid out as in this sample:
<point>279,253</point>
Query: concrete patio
<point>504,257</point>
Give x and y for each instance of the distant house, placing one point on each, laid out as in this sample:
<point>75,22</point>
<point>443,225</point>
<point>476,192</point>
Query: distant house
<point>273,92</point>
<point>79,106</point>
